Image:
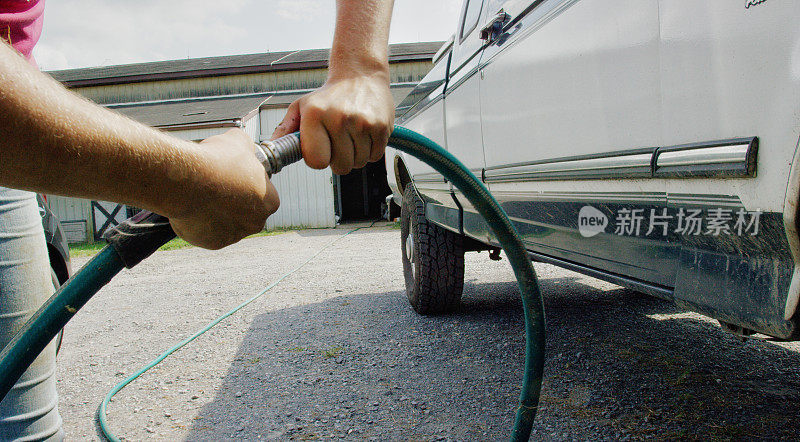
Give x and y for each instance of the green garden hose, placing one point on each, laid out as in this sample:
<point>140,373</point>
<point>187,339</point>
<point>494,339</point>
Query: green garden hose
<point>451,168</point>
<point>137,238</point>
<point>102,422</point>
<point>54,315</point>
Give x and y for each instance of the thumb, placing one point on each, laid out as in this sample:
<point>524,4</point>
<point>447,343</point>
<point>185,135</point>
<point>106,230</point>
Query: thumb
<point>290,123</point>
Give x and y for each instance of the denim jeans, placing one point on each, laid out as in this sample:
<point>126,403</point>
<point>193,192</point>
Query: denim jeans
<point>30,410</point>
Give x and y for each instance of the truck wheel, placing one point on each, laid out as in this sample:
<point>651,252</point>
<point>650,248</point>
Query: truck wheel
<point>433,259</point>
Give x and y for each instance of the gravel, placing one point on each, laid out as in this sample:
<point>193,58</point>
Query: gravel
<point>335,352</point>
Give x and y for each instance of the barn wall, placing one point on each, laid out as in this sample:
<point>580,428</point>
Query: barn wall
<point>75,215</point>
<point>306,194</point>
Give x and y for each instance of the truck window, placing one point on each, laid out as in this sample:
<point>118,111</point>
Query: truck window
<point>492,6</point>
<point>471,14</point>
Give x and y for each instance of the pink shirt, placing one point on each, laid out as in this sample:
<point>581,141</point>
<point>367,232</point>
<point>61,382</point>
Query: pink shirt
<point>21,24</point>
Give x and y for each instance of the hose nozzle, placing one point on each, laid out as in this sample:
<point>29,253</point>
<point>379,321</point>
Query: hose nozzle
<point>279,153</point>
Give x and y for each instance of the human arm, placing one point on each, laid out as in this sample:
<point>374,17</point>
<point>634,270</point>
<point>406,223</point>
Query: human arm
<point>347,122</point>
<point>54,141</point>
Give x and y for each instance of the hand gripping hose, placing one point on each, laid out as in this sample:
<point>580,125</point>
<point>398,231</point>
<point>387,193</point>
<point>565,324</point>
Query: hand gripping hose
<point>137,238</point>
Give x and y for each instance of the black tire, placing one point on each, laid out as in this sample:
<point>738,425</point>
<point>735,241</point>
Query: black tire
<point>433,259</point>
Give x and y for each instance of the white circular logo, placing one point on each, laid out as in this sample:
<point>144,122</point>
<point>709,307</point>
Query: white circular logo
<point>591,221</point>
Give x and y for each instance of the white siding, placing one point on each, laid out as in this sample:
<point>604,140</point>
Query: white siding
<point>69,209</point>
<point>306,194</point>
<point>253,128</point>
<point>198,134</point>
<point>306,198</point>
<point>270,118</point>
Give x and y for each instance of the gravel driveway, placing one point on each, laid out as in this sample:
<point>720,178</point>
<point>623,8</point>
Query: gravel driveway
<point>336,351</point>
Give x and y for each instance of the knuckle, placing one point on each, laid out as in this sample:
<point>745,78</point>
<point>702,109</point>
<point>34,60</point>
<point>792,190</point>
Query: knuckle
<point>314,111</point>
<point>352,119</point>
<point>362,125</point>
<point>337,123</point>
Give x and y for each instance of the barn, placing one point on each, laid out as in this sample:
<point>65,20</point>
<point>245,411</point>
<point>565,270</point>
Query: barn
<point>197,98</point>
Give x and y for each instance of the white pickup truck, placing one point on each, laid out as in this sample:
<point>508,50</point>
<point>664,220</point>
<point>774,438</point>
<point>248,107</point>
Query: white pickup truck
<point>651,143</point>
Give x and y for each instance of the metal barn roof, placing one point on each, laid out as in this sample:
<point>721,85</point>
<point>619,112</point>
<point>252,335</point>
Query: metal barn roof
<point>225,65</point>
<point>285,98</point>
<point>219,111</point>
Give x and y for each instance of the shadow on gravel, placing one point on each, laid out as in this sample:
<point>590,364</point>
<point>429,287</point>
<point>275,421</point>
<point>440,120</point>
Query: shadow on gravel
<point>619,365</point>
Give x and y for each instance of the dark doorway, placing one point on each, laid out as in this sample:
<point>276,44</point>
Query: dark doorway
<point>361,193</point>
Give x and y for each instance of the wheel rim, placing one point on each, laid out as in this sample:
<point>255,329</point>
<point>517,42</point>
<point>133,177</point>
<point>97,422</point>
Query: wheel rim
<point>409,249</point>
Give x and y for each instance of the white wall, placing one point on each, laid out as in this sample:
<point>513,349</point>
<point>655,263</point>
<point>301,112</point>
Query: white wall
<point>198,134</point>
<point>306,194</point>
<point>71,211</point>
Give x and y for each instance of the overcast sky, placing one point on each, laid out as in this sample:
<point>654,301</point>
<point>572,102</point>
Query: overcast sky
<point>84,33</point>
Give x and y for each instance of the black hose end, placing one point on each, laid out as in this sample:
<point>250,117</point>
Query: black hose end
<point>139,236</point>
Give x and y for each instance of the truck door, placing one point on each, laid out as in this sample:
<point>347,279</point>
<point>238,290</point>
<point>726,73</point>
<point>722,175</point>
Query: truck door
<point>462,104</point>
<point>423,111</point>
<point>730,79</point>
<point>570,114</point>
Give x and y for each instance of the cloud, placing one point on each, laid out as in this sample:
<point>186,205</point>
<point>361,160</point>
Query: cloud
<point>98,32</point>
<point>437,22</point>
<point>302,10</point>
<point>49,57</point>
<point>84,33</point>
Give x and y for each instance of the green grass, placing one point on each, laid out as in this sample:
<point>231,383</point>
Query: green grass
<point>331,352</point>
<point>85,249</point>
<point>91,249</point>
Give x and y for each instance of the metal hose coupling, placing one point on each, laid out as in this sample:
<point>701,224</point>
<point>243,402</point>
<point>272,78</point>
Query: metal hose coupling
<point>279,153</point>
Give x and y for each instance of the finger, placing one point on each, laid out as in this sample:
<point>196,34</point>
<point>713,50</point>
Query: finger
<point>362,145</point>
<point>314,140</point>
<point>379,137</point>
<point>342,150</point>
<point>290,123</point>
<point>271,200</point>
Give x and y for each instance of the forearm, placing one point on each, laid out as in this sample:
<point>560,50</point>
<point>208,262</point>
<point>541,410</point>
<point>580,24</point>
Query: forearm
<point>360,43</point>
<point>54,141</point>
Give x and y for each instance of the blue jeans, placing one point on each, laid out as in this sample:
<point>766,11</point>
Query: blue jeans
<point>30,410</point>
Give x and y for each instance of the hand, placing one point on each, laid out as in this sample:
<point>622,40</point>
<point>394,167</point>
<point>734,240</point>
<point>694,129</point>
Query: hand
<point>232,196</point>
<point>345,124</point>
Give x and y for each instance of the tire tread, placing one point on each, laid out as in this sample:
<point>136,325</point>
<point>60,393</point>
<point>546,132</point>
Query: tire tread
<point>439,280</point>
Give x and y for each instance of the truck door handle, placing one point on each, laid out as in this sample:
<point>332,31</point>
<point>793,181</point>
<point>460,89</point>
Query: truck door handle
<point>491,30</point>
